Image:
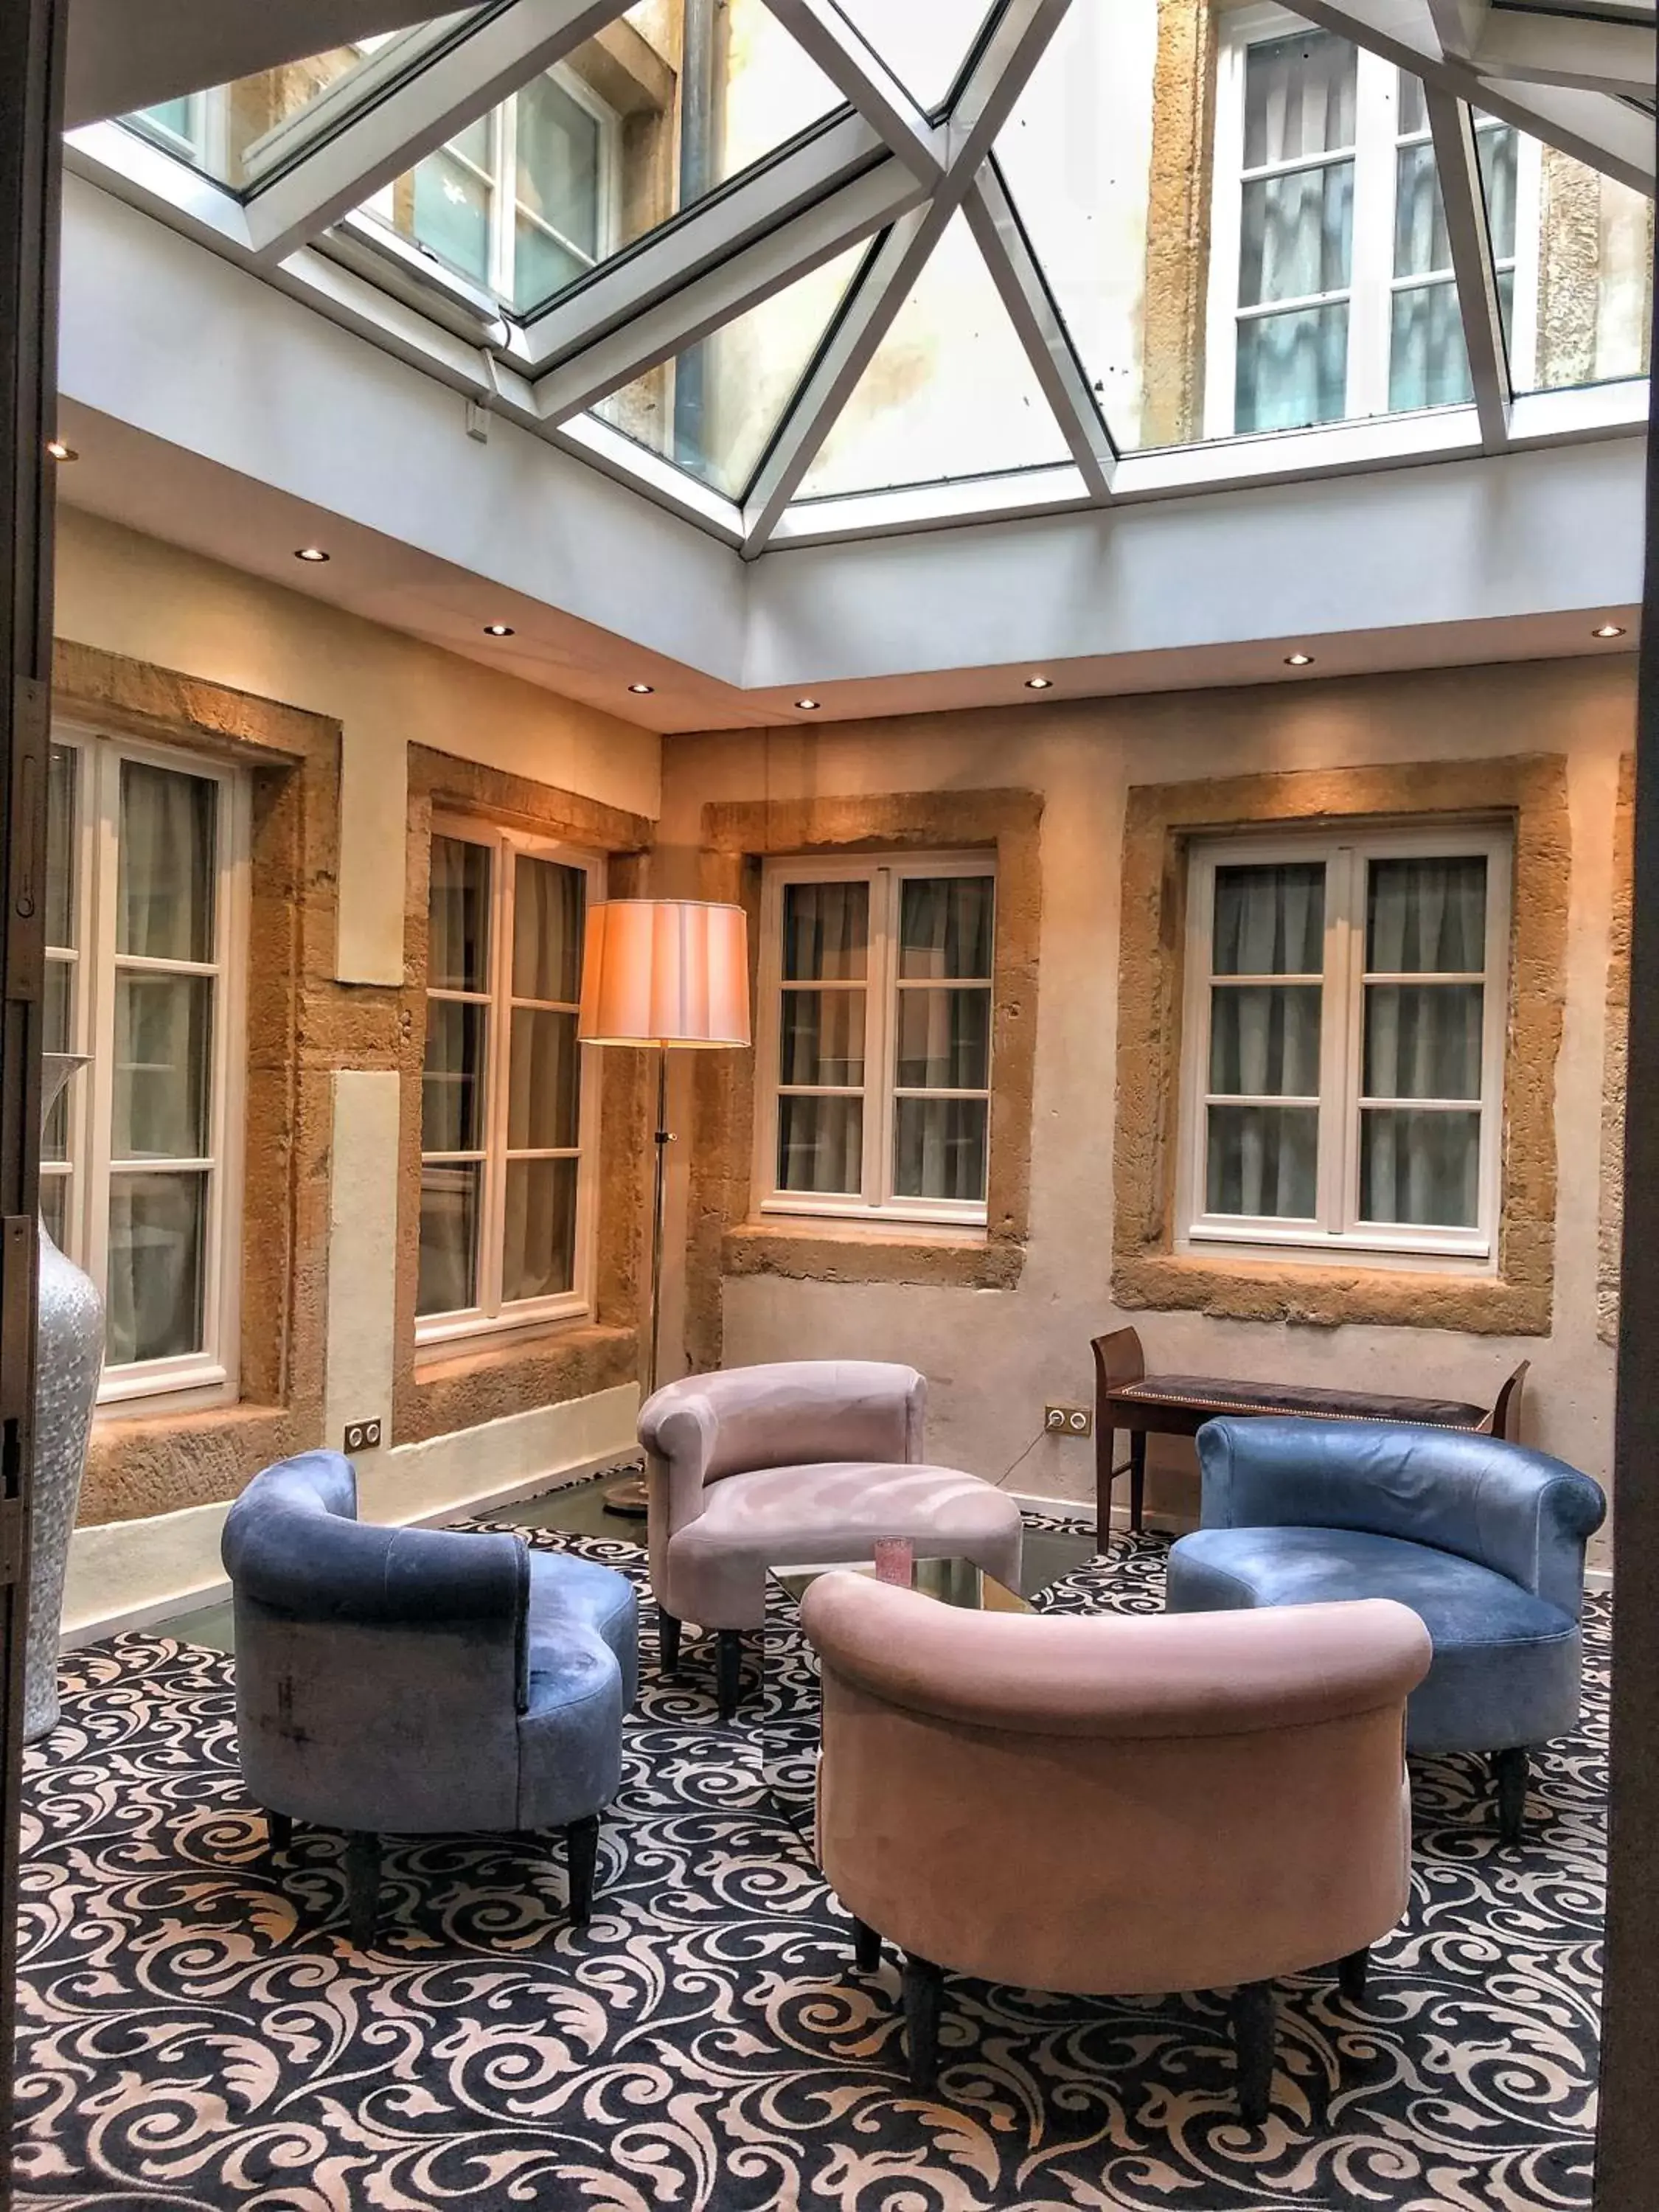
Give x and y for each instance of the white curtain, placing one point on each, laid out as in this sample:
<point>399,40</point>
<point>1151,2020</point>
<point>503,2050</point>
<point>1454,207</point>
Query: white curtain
<point>1420,1168</point>
<point>449,1215</point>
<point>1426,917</point>
<point>165,866</point>
<point>820,1143</point>
<point>940,1147</point>
<point>826,932</point>
<point>154,1292</point>
<point>458,915</point>
<point>1263,1161</point>
<point>549,900</point>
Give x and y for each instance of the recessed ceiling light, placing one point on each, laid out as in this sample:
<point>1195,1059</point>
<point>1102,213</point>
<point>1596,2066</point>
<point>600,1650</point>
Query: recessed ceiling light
<point>498,629</point>
<point>60,452</point>
<point>1039,683</point>
<point>1609,630</point>
<point>807,706</point>
<point>642,690</point>
<point>310,553</point>
<point>1299,661</point>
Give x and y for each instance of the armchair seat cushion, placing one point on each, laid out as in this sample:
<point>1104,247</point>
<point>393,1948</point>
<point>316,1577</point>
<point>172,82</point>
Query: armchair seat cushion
<point>566,1591</point>
<point>1506,1663</point>
<point>828,1513</point>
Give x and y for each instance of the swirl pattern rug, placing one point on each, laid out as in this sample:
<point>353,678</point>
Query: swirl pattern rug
<point>197,2034</point>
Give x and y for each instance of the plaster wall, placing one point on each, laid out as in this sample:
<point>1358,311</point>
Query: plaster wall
<point>153,604</point>
<point>994,1356</point>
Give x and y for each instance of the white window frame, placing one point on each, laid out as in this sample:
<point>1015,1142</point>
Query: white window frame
<point>1372,282</point>
<point>1337,1232</point>
<point>877,1202</point>
<point>188,1381</point>
<point>493,1318</point>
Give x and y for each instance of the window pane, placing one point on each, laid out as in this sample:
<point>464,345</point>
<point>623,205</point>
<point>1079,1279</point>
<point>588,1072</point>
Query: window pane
<point>1263,1160</point>
<point>1424,1169</point>
<point>821,1144</point>
<point>453,1079</point>
<point>544,1065</point>
<point>943,1040</point>
<point>540,1260</point>
<point>940,1147</point>
<point>60,849</point>
<point>548,906</point>
<point>559,180</point>
<point>945,926</point>
<point>1498,149</point>
<point>1423,1039</point>
<point>458,916</point>
<point>1264,1041</point>
<point>449,1237</point>
<point>826,930</point>
<point>164,899</point>
<point>1428,362</point>
<point>1299,97</point>
<point>1420,241</point>
<point>55,1026</point>
<point>163,1061</point>
<point>1426,917</point>
<point>1292,369</point>
<point>821,1037</point>
<point>157,1245</point>
<point>54,1207</point>
<point>1270,921</point>
<point>1295,235</point>
<point>451,213</point>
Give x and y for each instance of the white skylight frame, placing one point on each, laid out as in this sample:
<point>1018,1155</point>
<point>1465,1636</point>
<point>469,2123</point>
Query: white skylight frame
<point>882,171</point>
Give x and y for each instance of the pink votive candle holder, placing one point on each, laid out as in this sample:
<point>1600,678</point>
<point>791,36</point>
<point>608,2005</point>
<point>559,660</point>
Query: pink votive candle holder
<point>894,1556</point>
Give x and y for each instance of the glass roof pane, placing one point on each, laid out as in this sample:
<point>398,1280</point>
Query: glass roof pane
<point>713,409</point>
<point>1266,259</point>
<point>949,392</point>
<point>241,133</point>
<point>659,108</point>
<point>923,42</point>
<point>1574,254</point>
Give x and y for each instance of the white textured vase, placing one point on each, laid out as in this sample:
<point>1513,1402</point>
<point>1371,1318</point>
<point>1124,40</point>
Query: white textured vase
<point>69,1358</point>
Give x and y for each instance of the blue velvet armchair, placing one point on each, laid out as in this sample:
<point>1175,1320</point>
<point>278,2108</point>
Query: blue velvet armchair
<point>1484,1540</point>
<point>420,1680</point>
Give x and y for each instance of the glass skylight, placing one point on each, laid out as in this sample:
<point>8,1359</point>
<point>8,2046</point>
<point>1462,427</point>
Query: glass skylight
<point>1113,246</point>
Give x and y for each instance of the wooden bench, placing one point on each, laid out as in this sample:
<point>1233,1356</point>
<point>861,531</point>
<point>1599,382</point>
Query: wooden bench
<point>1127,1397</point>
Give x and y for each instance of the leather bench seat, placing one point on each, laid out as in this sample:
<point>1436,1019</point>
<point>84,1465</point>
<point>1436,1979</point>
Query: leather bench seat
<point>1219,1394</point>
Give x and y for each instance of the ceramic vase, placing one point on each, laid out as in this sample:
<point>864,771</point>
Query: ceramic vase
<point>69,1358</point>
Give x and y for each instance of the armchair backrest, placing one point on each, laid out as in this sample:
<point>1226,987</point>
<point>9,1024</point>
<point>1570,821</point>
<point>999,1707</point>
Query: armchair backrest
<point>380,1671</point>
<point>799,1413</point>
<point>1517,1511</point>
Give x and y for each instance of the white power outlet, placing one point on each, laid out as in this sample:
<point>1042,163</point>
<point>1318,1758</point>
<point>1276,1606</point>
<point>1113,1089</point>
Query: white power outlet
<point>1068,1421</point>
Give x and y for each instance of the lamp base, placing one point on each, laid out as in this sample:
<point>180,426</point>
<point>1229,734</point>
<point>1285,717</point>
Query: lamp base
<point>628,1498</point>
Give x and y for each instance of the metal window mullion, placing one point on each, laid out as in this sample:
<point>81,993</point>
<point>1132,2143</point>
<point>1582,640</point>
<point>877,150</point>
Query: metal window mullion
<point>1462,197</point>
<point>503,195</point>
<point>1338,1120</point>
<point>492,1211</point>
<point>1013,268</point>
<point>1371,241</point>
<point>881,1006</point>
<point>106,788</point>
<point>1257,311</point>
<point>1297,165</point>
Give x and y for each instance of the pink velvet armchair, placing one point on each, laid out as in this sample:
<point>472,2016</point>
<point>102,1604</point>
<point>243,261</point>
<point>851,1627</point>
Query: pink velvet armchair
<point>1114,1805</point>
<point>801,1463</point>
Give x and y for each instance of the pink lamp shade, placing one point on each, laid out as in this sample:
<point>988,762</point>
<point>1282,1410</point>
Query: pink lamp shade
<point>666,972</point>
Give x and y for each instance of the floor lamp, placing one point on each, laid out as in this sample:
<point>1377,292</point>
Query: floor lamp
<point>673,974</point>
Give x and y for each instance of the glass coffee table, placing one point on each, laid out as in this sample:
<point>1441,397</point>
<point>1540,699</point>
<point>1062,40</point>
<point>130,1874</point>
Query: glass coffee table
<point>788,1729</point>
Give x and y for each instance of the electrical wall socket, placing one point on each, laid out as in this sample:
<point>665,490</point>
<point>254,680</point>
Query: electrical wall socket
<point>362,1435</point>
<point>1068,1421</point>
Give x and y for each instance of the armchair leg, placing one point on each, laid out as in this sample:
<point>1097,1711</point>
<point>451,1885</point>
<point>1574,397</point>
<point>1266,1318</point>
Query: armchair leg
<point>866,1947</point>
<point>728,1670</point>
<point>581,1842</point>
<point>1351,1974</point>
<point>1253,2038</point>
<point>924,1994</point>
<point>279,1835</point>
<point>1510,1770</point>
<point>362,1887</point>
<point>668,1641</point>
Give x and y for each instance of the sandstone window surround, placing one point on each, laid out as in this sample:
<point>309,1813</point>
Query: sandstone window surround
<point>1346,1000</point>
<point>577,1347</point>
<point>147,1456</point>
<point>727,1233</point>
<point>1155,1266</point>
<point>873,1044</point>
<point>147,970</point>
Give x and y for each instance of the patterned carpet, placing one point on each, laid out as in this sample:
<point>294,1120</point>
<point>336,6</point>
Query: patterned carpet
<point>197,2034</point>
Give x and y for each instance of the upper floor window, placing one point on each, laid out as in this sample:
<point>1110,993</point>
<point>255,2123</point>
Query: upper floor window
<point>508,1113</point>
<point>146,923</point>
<point>1347,1005</point>
<point>1331,287</point>
<point>875,1038</point>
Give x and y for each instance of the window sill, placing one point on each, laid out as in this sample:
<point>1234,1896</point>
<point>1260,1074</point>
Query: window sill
<point>1325,1291</point>
<point>443,1347</point>
<point>461,1385</point>
<point>153,1460</point>
<point>817,1248</point>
